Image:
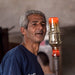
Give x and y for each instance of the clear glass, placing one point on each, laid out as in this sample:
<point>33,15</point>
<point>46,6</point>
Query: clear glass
<point>54,34</point>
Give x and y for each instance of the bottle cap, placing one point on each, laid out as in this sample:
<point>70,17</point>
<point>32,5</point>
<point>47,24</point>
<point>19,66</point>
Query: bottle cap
<point>53,20</point>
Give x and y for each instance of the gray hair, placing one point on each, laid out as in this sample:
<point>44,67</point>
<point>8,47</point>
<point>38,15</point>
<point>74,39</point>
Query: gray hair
<point>24,19</point>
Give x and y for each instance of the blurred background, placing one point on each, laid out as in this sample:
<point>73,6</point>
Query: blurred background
<point>10,36</point>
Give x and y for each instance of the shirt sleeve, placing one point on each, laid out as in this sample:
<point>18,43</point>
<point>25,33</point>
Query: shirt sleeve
<point>11,66</point>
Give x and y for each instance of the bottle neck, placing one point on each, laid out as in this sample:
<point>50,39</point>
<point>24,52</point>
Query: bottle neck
<point>54,28</point>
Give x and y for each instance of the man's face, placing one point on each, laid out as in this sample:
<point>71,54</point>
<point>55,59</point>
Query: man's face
<point>36,28</point>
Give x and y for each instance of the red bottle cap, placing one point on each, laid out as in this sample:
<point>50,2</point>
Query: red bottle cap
<point>53,20</point>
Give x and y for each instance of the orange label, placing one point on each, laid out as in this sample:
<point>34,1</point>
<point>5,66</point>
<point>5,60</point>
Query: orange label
<point>56,53</point>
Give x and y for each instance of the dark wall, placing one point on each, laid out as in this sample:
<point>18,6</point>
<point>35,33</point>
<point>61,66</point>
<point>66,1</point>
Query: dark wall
<point>68,50</point>
<point>3,42</point>
<point>5,45</point>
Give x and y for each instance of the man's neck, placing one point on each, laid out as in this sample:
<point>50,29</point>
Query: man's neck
<point>32,47</point>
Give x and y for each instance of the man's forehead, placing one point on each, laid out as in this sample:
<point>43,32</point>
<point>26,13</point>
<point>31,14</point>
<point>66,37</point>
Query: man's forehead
<point>36,16</point>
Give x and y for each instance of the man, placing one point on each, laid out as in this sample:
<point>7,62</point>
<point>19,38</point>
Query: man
<point>44,62</point>
<point>22,60</point>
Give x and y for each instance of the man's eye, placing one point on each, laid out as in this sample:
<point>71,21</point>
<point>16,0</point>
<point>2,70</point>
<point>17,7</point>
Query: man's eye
<point>34,24</point>
<point>43,24</point>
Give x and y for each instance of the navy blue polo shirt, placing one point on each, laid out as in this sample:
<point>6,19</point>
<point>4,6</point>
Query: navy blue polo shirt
<point>20,61</point>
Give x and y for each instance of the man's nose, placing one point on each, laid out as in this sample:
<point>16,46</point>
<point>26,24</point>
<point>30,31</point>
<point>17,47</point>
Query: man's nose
<point>40,26</point>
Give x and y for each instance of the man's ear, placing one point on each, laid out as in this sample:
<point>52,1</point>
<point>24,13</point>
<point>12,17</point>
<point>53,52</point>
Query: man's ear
<point>23,30</point>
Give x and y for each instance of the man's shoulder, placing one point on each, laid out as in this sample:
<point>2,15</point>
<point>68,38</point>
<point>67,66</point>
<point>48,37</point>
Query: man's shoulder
<point>16,52</point>
<point>13,51</point>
